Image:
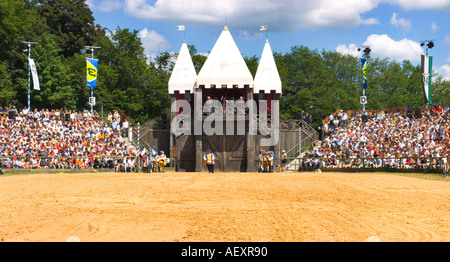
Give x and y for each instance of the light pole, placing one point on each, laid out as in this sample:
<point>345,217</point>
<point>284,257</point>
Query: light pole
<point>91,48</point>
<point>363,99</point>
<point>427,63</point>
<point>29,73</point>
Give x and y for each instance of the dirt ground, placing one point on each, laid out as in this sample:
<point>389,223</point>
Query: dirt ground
<point>226,207</point>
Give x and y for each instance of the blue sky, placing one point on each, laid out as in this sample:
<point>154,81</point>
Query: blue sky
<point>392,28</point>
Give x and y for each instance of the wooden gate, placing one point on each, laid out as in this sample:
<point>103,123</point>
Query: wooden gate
<point>229,150</point>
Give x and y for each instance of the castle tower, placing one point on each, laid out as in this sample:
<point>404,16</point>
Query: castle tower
<point>223,77</point>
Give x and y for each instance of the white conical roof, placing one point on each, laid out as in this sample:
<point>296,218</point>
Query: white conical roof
<point>267,77</point>
<point>183,75</point>
<point>225,65</point>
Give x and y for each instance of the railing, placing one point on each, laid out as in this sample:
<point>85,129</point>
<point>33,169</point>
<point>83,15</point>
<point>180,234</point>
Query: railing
<point>310,133</point>
<point>62,162</point>
<point>359,163</point>
<point>403,164</point>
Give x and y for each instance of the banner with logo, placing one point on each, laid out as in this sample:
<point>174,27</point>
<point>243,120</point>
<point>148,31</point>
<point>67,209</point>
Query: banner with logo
<point>91,72</point>
<point>427,71</point>
<point>34,74</point>
<point>364,69</point>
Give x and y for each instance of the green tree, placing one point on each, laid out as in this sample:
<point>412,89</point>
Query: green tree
<point>55,77</point>
<point>7,91</point>
<point>126,81</point>
<point>252,64</point>
<point>71,21</point>
<point>18,23</point>
<point>197,59</point>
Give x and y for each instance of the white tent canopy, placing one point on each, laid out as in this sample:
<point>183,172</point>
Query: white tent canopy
<point>183,75</point>
<point>267,78</point>
<point>225,67</point>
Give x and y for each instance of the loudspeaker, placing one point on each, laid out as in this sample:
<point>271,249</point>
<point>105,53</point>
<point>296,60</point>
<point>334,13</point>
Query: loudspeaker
<point>187,96</point>
<point>417,113</point>
<point>12,114</point>
<point>1,172</point>
<point>364,118</point>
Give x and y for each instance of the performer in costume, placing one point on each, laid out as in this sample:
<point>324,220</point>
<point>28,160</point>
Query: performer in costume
<point>155,161</point>
<point>261,160</point>
<point>209,161</point>
<point>271,158</point>
<point>265,162</point>
<point>162,161</point>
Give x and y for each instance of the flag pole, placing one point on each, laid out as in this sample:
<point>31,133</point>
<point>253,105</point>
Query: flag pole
<point>29,79</point>
<point>182,28</point>
<point>29,75</point>
<point>92,88</point>
<point>265,28</point>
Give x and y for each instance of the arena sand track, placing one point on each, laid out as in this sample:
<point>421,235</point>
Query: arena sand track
<point>229,207</point>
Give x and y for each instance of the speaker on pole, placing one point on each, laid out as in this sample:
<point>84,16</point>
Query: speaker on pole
<point>417,113</point>
<point>364,118</point>
<point>12,114</point>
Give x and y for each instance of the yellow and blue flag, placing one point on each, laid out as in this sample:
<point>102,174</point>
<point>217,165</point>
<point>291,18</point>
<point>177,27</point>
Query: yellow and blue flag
<point>91,72</point>
<point>364,67</point>
<point>364,70</point>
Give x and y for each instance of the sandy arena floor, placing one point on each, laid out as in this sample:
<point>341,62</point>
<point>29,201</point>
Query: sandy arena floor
<point>229,207</point>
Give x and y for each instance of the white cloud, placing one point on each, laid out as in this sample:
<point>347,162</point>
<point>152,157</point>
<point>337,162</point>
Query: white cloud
<point>446,40</point>
<point>400,22</point>
<point>153,42</point>
<point>422,4</point>
<point>109,5</point>
<point>434,27</point>
<point>91,4</point>
<point>444,71</point>
<point>285,15</point>
<point>448,58</point>
<point>351,49</point>
<point>382,46</point>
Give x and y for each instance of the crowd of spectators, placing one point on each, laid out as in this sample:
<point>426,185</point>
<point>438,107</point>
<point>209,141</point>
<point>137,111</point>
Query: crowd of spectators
<point>59,139</point>
<point>403,139</point>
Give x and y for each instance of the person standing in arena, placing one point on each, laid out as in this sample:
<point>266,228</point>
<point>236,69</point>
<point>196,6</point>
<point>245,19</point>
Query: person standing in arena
<point>209,160</point>
<point>283,160</point>
<point>154,160</point>
<point>162,161</point>
<point>271,161</point>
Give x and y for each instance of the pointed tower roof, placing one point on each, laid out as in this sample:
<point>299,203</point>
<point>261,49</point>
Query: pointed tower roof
<point>183,75</point>
<point>225,65</point>
<point>267,77</point>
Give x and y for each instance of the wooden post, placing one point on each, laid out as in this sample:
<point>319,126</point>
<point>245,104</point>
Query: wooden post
<point>250,139</point>
<point>172,141</point>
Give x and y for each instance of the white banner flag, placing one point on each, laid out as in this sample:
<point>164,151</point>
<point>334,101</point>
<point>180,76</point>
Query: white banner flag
<point>34,74</point>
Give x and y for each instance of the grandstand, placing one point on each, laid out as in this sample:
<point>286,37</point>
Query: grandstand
<point>399,138</point>
<point>58,139</point>
<point>395,139</point>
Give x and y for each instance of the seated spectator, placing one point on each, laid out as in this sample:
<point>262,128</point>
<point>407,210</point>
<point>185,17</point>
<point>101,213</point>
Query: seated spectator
<point>50,140</point>
<point>402,136</point>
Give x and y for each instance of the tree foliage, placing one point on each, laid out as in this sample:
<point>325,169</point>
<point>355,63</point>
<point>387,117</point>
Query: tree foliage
<point>317,82</point>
